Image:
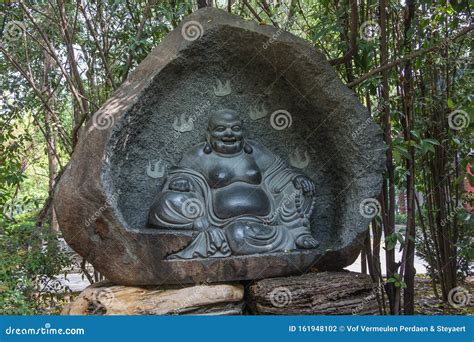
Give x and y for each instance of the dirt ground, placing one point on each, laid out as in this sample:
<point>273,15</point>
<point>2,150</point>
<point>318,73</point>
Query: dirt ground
<point>426,302</point>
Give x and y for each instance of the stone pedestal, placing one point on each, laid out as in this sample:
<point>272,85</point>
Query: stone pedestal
<point>104,298</point>
<point>322,293</point>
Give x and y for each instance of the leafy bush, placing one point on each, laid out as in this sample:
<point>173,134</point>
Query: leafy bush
<point>400,219</point>
<point>30,258</point>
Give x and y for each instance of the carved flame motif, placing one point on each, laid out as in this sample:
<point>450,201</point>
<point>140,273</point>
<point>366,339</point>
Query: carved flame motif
<point>258,112</point>
<point>299,160</point>
<point>156,170</point>
<point>222,89</point>
<point>182,125</point>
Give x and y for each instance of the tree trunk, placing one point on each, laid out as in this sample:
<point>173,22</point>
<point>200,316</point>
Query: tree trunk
<point>50,139</point>
<point>388,194</point>
<point>408,125</point>
<point>322,293</point>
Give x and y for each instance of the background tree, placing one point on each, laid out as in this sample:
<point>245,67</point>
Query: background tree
<point>408,62</point>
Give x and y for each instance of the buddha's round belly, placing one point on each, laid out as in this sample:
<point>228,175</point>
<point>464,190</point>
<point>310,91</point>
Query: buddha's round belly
<point>239,199</point>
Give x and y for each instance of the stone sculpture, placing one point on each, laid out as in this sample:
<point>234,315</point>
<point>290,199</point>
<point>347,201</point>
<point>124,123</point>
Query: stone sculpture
<point>239,196</point>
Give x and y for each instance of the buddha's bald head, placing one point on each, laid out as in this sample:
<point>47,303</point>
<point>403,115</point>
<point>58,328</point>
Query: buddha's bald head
<point>224,116</point>
<point>225,132</point>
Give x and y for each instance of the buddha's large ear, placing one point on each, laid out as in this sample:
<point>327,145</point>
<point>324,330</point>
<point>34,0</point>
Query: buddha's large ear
<point>207,148</point>
<point>247,148</point>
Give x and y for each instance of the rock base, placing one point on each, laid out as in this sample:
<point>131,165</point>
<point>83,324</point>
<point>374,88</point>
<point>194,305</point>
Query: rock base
<point>105,298</point>
<point>320,293</point>
<point>323,293</point>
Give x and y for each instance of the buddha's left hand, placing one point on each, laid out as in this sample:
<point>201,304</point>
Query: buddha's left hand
<point>304,183</point>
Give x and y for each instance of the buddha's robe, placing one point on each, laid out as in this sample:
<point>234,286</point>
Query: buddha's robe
<point>244,216</point>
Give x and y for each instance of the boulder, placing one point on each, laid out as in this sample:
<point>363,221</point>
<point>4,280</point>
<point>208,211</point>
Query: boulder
<point>216,60</point>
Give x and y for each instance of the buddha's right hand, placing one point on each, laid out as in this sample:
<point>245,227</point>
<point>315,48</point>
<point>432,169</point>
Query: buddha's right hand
<point>180,184</point>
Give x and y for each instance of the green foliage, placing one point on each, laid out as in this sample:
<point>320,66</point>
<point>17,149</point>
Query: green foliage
<point>397,280</point>
<point>400,218</point>
<point>392,240</point>
<point>30,258</point>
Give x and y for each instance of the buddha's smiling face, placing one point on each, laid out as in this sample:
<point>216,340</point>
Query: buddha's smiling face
<point>225,132</point>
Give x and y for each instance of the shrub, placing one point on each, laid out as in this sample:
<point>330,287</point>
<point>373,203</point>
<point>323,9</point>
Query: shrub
<point>30,259</point>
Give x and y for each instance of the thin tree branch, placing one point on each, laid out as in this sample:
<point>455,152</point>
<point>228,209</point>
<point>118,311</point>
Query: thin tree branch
<point>266,8</point>
<point>353,38</point>
<point>137,37</point>
<point>412,55</point>
<point>36,90</point>
<point>50,49</point>
<point>255,14</point>
<point>99,48</point>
